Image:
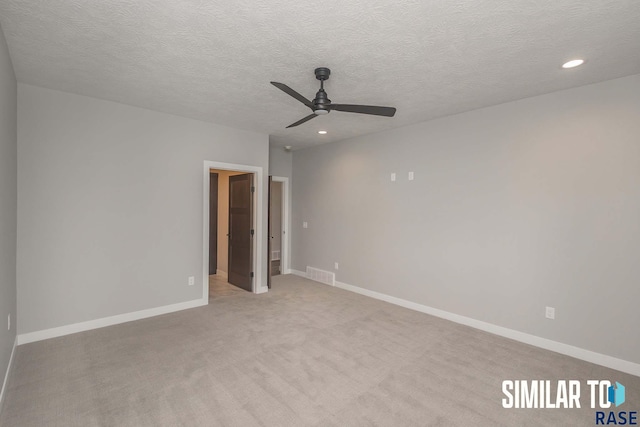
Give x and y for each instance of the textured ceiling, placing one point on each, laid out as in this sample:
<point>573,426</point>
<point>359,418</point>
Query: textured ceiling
<point>213,60</point>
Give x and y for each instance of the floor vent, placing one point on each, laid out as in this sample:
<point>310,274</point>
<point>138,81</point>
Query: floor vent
<point>326,277</point>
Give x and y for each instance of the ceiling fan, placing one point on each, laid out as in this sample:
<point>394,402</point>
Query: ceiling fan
<point>321,104</point>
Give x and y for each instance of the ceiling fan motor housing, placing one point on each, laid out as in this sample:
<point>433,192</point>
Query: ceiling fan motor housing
<point>321,103</point>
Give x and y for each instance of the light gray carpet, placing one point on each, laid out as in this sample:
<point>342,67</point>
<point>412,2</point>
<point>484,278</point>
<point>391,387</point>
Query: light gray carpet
<point>303,354</point>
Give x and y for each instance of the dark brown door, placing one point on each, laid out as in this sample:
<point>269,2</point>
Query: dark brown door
<point>240,230</point>
<point>213,223</point>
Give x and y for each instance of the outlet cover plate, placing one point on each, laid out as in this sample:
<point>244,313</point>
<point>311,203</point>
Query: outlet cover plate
<point>550,313</point>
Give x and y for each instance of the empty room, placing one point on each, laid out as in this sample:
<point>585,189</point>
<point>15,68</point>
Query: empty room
<point>363,213</point>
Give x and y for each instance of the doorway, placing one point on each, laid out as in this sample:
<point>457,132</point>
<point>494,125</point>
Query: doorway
<point>213,223</point>
<point>278,227</point>
<point>232,229</point>
<point>275,227</point>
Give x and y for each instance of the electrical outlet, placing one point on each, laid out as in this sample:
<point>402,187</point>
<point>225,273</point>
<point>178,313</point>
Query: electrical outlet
<point>9,322</point>
<point>192,280</point>
<point>410,177</point>
<point>393,176</point>
<point>335,265</point>
<point>305,224</point>
<point>550,313</point>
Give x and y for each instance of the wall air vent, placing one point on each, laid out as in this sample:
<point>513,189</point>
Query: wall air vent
<point>326,277</point>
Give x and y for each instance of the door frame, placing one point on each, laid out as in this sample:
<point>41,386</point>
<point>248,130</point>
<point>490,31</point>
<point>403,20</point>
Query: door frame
<point>257,286</point>
<point>285,256</point>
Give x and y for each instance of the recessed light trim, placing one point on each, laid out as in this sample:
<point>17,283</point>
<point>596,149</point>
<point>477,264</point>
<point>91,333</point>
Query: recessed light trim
<point>573,63</point>
<point>322,132</point>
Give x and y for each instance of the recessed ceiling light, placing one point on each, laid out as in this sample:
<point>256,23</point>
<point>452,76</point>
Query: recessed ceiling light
<point>573,63</point>
<point>322,132</point>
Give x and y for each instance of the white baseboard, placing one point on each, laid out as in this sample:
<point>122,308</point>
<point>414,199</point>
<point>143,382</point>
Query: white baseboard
<point>106,321</point>
<point>569,350</point>
<point>222,273</point>
<point>6,374</point>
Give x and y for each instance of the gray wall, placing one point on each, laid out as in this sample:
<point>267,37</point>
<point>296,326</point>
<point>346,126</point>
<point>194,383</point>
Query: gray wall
<point>513,208</point>
<point>280,162</point>
<point>8,203</point>
<point>110,206</point>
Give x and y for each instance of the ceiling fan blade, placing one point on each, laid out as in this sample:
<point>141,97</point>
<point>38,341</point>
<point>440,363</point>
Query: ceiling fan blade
<point>306,119</point>
<point>286,89</point>
<point>364,109</point>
